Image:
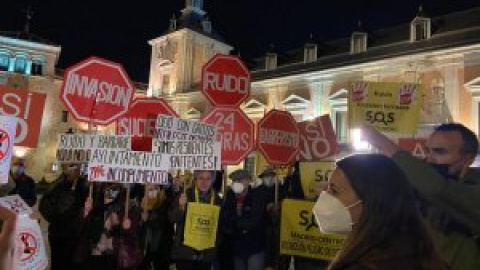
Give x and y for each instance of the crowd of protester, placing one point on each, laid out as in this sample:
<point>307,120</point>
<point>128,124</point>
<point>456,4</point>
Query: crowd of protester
<point>398,212</point>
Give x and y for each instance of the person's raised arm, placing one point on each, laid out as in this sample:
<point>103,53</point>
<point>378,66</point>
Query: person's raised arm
<point>7,238</point>
<point>380,141</point>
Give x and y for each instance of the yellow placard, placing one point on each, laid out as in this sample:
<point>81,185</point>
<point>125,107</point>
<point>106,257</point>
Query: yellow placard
<point>201,225</point>
<point>262,164</point>
<point>314,176</point>
<point>387,106</point>
<point>300,236</point>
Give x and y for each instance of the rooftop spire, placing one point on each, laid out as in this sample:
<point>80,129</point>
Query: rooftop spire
<point>194,6</point>
<point>29,13</point>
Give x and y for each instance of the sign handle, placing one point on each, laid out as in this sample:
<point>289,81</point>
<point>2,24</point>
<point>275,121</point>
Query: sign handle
<point>276,190</point>
<point>127,202</point>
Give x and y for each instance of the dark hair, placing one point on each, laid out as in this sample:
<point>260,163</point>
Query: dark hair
<point>390,211</point>
<point>470,140</point>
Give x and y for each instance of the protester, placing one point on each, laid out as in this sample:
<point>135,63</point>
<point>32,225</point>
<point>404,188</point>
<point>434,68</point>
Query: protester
<point>8,252</point>
<point>24,184</point>
<point>61,207</point>
<point>157,233</point>
<point>186,257</point>
<point>449,188</point>
<point>368,198</point>
<point>110,241</point>
<point>244,219</point>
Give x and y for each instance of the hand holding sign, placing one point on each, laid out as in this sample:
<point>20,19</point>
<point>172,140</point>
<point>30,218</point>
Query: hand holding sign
<point>379,140</point>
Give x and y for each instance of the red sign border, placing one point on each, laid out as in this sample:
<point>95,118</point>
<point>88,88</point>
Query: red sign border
<point>240,62</point>
<point>259,146</point>
<point>83,63</point>
<point>245,116</point>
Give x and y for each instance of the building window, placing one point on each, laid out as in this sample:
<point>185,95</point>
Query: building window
<point>420,29</point>
<point>64,116</point>
<point>270,61</point>
<point>166,84</point>
<point>358,42</point>
<point>4,62</point>
<point>37,68</point>
<point>20,65</point>
<point>310,53</point>
<point>341,126</point>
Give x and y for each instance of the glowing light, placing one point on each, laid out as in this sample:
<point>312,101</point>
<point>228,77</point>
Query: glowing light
<point>20,151</point>
<point>358,143</point>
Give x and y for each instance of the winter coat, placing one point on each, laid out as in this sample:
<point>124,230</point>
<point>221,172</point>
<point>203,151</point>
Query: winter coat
<point>177,217</point>
<point>247,231</point>
<point>452,210</point>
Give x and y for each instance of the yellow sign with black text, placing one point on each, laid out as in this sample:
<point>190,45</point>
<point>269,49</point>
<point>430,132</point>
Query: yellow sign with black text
<point>314,177</point>
<point>300,236</point>
<point>387,106</point>
<point>201,225</point>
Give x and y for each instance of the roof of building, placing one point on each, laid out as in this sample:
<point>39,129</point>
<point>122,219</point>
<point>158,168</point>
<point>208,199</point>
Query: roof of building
<point>448,31</point>
<point>194,21</point>
<point>27,36</point>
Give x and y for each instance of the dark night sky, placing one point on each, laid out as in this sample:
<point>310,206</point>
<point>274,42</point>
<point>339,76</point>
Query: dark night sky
<point>119,30</point>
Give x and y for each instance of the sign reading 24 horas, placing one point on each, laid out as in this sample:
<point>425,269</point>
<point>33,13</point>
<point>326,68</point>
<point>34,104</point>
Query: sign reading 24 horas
<point>389,107</point>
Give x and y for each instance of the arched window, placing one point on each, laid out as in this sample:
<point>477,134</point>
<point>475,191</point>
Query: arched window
<point>4,61</point>
<point>20,64</point>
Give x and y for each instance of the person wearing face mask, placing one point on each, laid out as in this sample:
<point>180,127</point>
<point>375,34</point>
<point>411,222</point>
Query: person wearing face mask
<point>24,184</point>
<point>103,228</point>
<point>186,257</point>
<point>448,187</point>
<point>369,199</point>
<point>244,220</point>
<point>62,206</point>
<point>156,230</point>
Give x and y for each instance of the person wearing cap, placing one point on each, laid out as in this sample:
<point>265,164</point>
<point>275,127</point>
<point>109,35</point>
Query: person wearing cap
<point>244,219</point>
<point>24,184</point>
<point>62,207</point>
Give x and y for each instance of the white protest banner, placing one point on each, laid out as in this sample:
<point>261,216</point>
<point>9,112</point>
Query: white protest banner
<point>16,204</point>
<point>120,166</point>
<point>8,127</point>
<point>28,236</point>
<point>73,148</point>
<point>190,155</point>
<point>174,128</point>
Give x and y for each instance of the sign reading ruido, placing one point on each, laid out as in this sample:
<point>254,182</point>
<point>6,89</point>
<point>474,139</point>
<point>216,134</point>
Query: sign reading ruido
<point>97,91</point>
<point>225,80</point>
<point>73,148</point>
<point>28,108</point>
<point>278,137</point>
<point>140,121</point>
<point>235,132</point>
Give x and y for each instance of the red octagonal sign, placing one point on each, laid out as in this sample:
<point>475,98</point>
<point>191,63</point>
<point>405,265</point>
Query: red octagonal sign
<point>235,130</point>
<point>97,91</point>
<point>225,80</point>
<point>278,137</point>
<point>140,121</point>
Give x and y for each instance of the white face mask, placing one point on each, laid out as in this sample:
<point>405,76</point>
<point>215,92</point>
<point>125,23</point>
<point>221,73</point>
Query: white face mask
<point>268,181</point>
<point>238,188</point>
<point>331,215</point>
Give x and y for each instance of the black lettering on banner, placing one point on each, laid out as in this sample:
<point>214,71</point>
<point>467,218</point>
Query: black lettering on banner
<point>380,117</point>
<point>307,220</point>
<point>320,175</point>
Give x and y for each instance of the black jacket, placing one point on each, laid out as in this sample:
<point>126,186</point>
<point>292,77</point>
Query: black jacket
<point>247,232</point>
<point>61,207</point>
<point>25,188</point>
